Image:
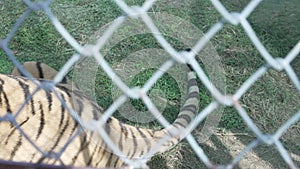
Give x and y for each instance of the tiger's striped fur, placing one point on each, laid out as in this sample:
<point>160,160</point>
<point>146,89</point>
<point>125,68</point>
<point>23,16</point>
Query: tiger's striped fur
<point>49,125</point>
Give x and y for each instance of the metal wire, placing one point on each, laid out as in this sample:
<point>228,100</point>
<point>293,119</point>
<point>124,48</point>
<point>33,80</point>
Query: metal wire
<point>93,50</point>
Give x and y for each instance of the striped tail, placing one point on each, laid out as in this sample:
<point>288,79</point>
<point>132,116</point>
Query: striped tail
<point>143,140</point>
<point>185,116</point>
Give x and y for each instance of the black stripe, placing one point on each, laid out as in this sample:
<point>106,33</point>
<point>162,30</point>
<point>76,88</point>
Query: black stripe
<point>188,49</point>
<point>78,94</point>
<point>65,89</point>
<point>91,157</point>
<point>73,131</point>
<point>40,70</point>
<point>63,130</point>
<point>135,144</point>
<point>123,129</point>
<point>190,68</point>
<point>103,150</point>
<point>185,117</point>
<point>151,132</point>
<point>5,97</point>
<point>0,96</point>
<point>121,136</point>
<point>145,139</point>
<point>80,106</point>
<point>194,94</point>
<point>64,80</point>
<point>96,111</point>
<point>192,108</point>
<point>27,95</point>
<point>83,146</point>
<point>75,157</point>
<point>2,82</point>
<point>13,131</point>
<point>98,148</point>
<point>116,162</point>
<point>32,157</point>
<point>132,134</point>
<point>108,163</point>
<point>192,82</point>
<point>63,116</point>
<point>107,127</point>
<point>61,133</point>
<point>41,159</point>
<point>7,104</point>
<point>114,159</point>
<point>62,111</point>
<point>42,121</point>
<point>50,100</point>
<point>129,152</point>
<point>142,152</point>
<point>74,128</point>
<point>1,90</point>
<point>16,147</point>
<point>179,123</point>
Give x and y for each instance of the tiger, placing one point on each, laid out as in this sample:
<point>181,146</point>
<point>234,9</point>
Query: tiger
<point>49,124</point>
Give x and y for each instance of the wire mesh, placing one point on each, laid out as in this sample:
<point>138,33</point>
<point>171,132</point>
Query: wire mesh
<point>140,12</point>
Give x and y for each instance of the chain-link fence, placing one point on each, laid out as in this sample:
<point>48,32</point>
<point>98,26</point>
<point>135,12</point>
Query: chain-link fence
<point>140,12</point>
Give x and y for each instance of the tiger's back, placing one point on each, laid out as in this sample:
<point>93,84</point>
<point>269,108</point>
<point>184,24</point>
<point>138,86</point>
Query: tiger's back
<point>42,108</point>
<point>49,125</point>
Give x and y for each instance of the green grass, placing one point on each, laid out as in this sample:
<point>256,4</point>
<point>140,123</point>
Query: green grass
<point>270,102</point>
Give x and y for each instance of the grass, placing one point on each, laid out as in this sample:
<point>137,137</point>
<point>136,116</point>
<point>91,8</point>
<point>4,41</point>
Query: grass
<point>269,102</point>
